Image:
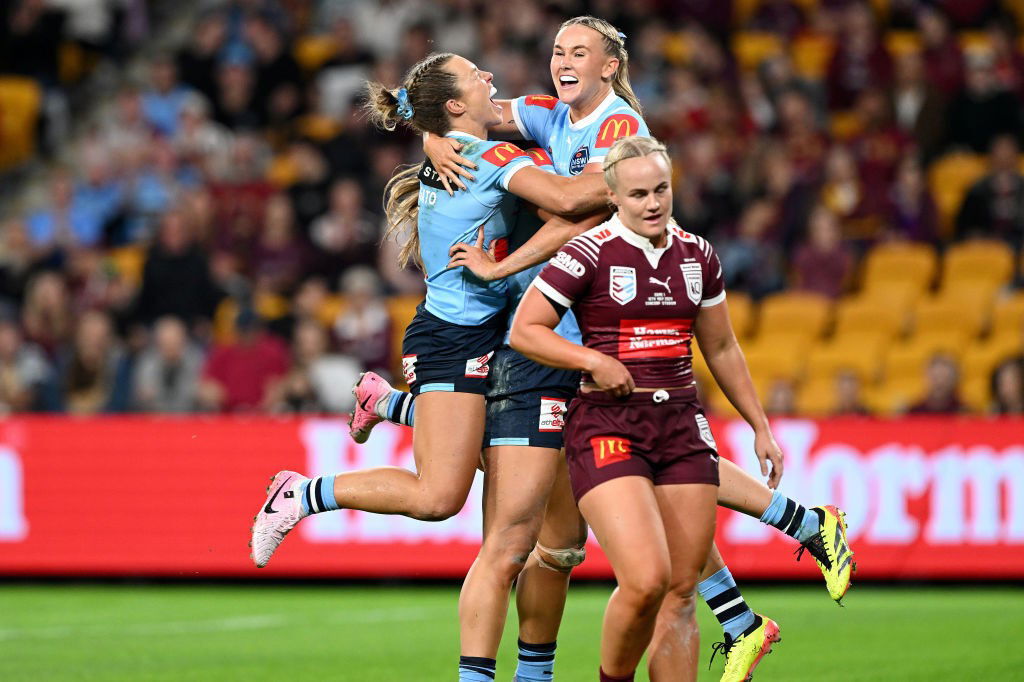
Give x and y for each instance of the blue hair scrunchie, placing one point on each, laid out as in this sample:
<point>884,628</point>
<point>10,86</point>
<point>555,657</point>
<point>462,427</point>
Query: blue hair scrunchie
<point>405,109</point>
<point>622,36</point>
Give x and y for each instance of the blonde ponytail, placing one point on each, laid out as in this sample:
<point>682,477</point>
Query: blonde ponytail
<point>401,206</point>
<point>614,46</point>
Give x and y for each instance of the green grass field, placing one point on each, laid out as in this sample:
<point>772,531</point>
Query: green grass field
<point>68,632</point>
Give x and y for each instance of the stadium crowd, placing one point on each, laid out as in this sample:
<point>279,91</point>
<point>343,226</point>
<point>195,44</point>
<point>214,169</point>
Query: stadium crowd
<point>213,242</point>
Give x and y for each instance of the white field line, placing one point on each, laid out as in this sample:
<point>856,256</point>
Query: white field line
<point>233,624</point>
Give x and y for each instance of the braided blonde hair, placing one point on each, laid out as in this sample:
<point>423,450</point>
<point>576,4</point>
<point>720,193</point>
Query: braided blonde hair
<point>630,148</point>
<point>614,46</point>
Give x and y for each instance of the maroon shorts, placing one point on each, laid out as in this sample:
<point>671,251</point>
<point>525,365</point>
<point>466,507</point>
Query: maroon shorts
<point>668,441</point>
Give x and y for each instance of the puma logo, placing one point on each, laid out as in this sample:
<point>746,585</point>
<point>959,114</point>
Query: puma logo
<point>652,280</point>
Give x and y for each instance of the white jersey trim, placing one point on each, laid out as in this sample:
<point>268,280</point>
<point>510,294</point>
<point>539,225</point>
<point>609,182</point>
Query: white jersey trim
<point>552,293</point>
<point>593,115</point>
<point>711,302</point>
<point>506,177</point>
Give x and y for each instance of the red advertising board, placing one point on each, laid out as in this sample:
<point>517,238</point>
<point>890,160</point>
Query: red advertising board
<point>926,498</point>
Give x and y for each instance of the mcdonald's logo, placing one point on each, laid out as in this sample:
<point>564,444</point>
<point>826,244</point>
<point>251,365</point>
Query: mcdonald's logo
<point>540,156</point>
<point>501,154</point>
<point>546,101</point>
<point>616,127</point>
<point>610,449</point>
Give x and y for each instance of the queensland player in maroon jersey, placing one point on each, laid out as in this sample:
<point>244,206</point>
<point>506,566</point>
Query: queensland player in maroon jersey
<point>642,459</point>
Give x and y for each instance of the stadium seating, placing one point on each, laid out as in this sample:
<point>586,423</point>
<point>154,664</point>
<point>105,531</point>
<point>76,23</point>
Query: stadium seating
<point>879,314</point>
<point>902,263</point>
<point>20,102</point>
<point>799,313</point>
<point>979,361</point>
<point>966,309</point>
<point>401,309</point>
<point>753,47</point>
<point>1008,317</point>
<point>859,352</point>
<point>816,397</point>
<point>777,355</point>
<point>977,261</point>
<point>949,178</point>
<point>811,54</point>
<point>741,313</point>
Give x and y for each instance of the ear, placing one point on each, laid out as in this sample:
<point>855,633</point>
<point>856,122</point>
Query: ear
<point>455,107</point>
<point>612,200</point>
<point>609,68</point>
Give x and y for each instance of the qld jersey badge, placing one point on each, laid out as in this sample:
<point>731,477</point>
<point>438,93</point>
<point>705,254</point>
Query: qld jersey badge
<point>694,278</point>
<point>622,284</point>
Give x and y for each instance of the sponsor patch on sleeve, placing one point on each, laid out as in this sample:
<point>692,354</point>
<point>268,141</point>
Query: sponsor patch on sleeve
<point>546,101</point>
<point>540,156</point>
<point>616,127</point>
<point>500,155</point>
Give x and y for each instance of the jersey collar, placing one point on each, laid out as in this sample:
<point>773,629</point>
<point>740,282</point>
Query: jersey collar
<point>652,254</point>
<point>459,133</point>
<point>593,115</point>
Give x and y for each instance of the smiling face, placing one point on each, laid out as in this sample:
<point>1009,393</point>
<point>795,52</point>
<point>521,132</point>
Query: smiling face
<point>476,91</point>
<point>643,193</point>
<point>580,68</point>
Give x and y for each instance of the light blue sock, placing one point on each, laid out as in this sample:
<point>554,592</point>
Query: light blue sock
<point>726,602</point>
<point>476,669</point>
<point>791,518</point>
<point>317,495</point>
<point>536,662</point>
<point>400,408</point>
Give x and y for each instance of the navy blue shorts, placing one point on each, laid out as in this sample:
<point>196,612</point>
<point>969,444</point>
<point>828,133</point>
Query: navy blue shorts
<point>442,356</point>
<point>526,404</point>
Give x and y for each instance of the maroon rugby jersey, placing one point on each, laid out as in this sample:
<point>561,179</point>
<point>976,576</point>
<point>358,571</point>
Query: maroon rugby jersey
<point>635,302</point>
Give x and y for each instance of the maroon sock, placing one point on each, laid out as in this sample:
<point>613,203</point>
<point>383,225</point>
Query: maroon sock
<point>605,677</point>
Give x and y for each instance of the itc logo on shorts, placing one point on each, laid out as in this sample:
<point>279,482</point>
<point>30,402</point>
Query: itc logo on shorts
<point>409,368</point>
<point>552,415</point>
<point>654,339</point>
<point>568,264</point>
<point>609,450</point>
<point>477,368</point>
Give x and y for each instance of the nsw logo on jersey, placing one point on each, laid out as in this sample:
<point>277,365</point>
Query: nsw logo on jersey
<point>622,284</point>
<point>500,155</point>
<point>694,279</point>
<point>580,158</point>
<point>615,128</point>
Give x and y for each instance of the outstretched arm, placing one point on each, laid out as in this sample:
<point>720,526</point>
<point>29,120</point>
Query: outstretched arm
<point>729,367</point>
<point>443,152</point>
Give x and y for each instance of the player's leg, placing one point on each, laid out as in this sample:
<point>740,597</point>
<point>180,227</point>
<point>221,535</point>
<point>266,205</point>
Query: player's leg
<point>517,481</point>
<point>626,519</point>
<point>688,515</point>
<point>819,530</point>
<point>543,583</point>
<point>446,446</point>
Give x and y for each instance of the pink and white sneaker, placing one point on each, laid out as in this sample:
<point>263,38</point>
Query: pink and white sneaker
<point>369,391</point>
<point>279,514</point>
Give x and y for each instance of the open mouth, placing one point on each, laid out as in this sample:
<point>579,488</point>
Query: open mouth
<point>566,81</point>
<point>652,219</point>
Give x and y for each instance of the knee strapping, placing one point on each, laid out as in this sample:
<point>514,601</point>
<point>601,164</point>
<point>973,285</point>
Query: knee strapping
<point>559,560</point>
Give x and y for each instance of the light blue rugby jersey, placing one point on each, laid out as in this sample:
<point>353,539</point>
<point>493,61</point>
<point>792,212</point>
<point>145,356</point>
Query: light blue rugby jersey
<point>526,224</point>
<point>572,146</point>
<point>455,294</point>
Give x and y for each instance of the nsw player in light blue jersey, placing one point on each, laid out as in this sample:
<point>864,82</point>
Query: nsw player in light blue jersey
<point>449,345</point>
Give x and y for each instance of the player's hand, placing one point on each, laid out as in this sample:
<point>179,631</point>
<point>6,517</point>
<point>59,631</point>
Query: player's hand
<point>611,376</point>
<point>443,153</point>
<point>481,262</point>
<point>767,450</point>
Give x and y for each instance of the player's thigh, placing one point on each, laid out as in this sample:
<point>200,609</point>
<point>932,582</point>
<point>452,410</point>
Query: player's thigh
<point>563,525</point>
<point>517,482</point>
<point>446,439</point>
<point>688,518</point>
<point>626,519</point>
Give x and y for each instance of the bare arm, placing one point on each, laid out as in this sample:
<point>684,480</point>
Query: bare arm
<point>537,249</point>
<point>581,193</point>
<point>533,335</point>
<point>729,367</point>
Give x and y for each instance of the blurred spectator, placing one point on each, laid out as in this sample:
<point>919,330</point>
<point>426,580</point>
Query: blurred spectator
<point>234,102</point>
<point>878,147</point>
<point>93,375</point>
<point>994,206</point>
<point>347,234</point>
<point>46,315</point>
<point>752,261</point>
<point>16,261</point>
<point>919,106</point>
<point>309,192</point>
<point>363,329</point>
<point>167,372</point>
<point>845,195</point>
<point>1009,62</point>
<point>126,132</point>
<point>941,378</point>
<point>69,222</point>
<point>279,258</point>
<point>804,142</point>
<point>162,102</point>
<point>199,141</point>
<point>778,16</point>
<point>849,400</point>
<point>152,189</point>
<point>911,212</point>
<point>278,89</point>
<point>781,398</point>
<point>176,278</point>
<point>860,59</point>
<point>982,111</point>
<point>197,62</point>
<point>944,61</point>
<point>823,264</point>
<point>24,370</point>
<point>318,381</point>
<point>238,376</point>
<point>29,39</point>
<point>1008,387</point>
<point>705,195</point>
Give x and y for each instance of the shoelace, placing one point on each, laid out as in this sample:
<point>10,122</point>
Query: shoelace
<point>816,546</point>
<point>724,648</point>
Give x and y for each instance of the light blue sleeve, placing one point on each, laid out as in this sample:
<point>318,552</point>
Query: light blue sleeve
<point>497,163</point>
<point>534,116</point>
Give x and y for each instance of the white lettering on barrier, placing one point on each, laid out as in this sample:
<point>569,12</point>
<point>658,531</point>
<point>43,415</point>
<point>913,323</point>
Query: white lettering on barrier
<point>974,494</point>
<point>330,450</point>
<point>13,524</point>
